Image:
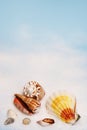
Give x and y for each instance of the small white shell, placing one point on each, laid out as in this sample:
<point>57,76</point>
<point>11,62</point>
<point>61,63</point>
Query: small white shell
<point>11,114</point>
<point>46,122</point>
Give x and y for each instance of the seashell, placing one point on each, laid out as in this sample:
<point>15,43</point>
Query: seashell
<point>33,89</point>
<point>9,121</point>
<point>11,114</point>
<point>21,107</point>
<point>63,105</point>
<point>27,105</point>
<point>46,122</point>
<point>11,117</point>
<point>26,121</point>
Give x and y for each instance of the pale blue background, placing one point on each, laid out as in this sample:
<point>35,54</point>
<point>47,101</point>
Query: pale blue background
<point>46,41</point>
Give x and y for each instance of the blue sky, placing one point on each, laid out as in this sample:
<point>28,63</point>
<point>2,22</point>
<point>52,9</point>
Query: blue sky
<point>42,19</point>
<point>46,41</point>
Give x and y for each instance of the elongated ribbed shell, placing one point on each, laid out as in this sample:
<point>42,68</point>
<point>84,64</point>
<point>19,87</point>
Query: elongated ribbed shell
<point>33,89</point>
<point>9,121</point>
<point>63,105</point>
<point>46,122</point>
<point>25,104</point>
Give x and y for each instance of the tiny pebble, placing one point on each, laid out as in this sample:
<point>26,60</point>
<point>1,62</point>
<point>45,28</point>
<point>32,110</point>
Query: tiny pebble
<point>26,121</point>
<point>9,121</point>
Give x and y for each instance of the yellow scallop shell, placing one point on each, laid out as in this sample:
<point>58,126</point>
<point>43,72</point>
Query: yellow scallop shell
<point>63,105</point>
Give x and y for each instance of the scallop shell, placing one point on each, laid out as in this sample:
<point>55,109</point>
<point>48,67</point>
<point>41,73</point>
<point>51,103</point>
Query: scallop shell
<point>27,105</point>
<point>33,89</point>
<point>63,105</point>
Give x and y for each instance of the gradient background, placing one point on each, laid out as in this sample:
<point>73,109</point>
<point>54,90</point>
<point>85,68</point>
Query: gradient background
<point>45,41</point>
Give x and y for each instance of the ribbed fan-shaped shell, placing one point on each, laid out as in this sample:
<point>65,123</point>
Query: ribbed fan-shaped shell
<point>63,105</point>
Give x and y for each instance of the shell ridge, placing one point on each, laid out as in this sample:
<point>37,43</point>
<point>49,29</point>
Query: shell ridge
<point>63,105</point>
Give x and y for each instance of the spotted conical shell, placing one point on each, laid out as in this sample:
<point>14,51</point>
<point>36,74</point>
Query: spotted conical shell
<point>34,89</point>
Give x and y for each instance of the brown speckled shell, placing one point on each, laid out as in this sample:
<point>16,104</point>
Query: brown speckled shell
<point>26,104</point>
<point>33,89</point>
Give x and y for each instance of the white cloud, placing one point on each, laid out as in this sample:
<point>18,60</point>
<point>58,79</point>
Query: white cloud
<point>22,35</point>
<point>24,32</point>
<point>62,67</point>
<point>77,39</point>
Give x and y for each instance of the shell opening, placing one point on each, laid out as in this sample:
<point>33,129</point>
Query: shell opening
<point>24,104</point>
